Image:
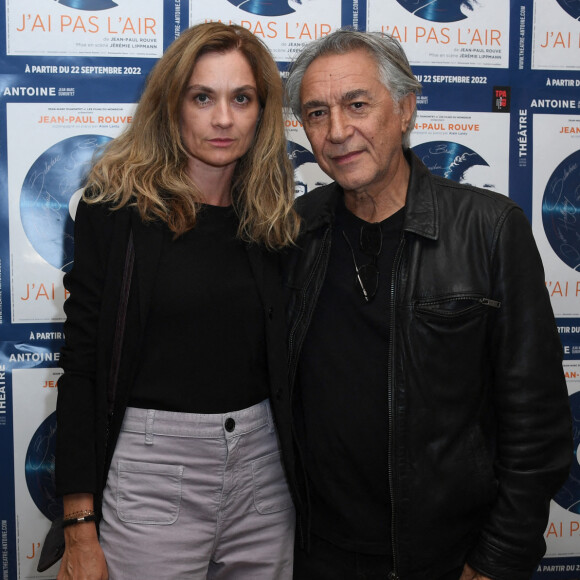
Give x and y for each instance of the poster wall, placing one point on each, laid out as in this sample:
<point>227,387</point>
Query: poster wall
<point>500,108</point>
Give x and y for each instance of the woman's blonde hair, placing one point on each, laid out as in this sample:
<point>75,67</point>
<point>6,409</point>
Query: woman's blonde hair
<point>146,166</point>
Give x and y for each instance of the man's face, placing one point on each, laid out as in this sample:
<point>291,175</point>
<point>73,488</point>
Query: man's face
<point>352,122</point>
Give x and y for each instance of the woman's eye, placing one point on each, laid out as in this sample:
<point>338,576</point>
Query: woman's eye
<point>241,99</point>
<point>201,98</point>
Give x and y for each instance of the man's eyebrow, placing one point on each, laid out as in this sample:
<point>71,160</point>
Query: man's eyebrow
<point>314,104</point>
<point>346,98</point>
<point>355,94</point>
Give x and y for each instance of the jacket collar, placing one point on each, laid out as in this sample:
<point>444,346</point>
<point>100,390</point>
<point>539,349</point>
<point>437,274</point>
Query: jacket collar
<point>421,209</point>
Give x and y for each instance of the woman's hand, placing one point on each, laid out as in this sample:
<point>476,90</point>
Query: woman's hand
<point>470,574</point>
<point>83,557</point>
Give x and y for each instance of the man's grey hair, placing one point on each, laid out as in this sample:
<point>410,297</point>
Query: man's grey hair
<point>394,69</point>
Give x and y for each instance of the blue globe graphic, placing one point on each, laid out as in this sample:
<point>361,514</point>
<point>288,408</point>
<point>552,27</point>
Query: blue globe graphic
<point>265,7</point>
<point>448,158</point>
<point>46,193</point>
<point>39,469</point>
<point>439,10</point>
<point>88,4</point>
<point>569,495</point>
<point>560,210</point>
<point>298,154</point>
<point>572,7</point>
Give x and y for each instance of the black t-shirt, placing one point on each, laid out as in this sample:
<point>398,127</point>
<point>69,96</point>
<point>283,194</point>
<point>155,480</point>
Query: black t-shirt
<point>204,348</point>
<point>342,382</point>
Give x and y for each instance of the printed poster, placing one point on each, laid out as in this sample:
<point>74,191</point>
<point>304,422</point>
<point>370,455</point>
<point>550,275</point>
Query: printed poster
<point>286,26</point>
<point>556,35</point>
<point>127,28</point>
<point>34,403</point>
<point>307,173</point>
<point>472,33</point>
<point>556,206</point>
<point>6,476</point>
<point>563,530</point>
<point>465,147</point>
<point>45,182</point>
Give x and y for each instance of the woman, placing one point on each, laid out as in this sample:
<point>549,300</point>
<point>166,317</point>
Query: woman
<point>190,460</point>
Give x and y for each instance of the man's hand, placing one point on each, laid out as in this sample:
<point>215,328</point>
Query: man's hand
<point>470,574</point>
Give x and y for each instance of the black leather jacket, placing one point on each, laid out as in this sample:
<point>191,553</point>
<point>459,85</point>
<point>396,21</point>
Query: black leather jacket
<point>479,419</point>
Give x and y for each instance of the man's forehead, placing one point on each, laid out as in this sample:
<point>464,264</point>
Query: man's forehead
<point>341,65</point>
<point>340,76</point>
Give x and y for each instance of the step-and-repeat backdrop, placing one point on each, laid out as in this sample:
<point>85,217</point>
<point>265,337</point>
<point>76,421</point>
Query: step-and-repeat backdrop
<point>500,109</point>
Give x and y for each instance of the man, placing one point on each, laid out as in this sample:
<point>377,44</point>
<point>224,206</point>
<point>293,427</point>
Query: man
<point>430,404</point>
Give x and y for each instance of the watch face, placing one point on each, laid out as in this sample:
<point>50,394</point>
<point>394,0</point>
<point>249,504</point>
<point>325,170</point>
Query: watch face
<point>560,211</point>
<point>48,195</point>
<point>569,495</point>
<point>39,469</point>
<point>441,10</point>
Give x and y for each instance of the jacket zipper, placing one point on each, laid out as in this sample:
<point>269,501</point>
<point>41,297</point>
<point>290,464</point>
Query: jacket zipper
<point>490,302</point>
<point>391,414</point>
<point>483,301</point>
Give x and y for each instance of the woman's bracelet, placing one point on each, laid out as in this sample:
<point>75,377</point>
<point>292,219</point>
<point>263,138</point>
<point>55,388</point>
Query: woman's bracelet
<point>79,514</point>
<point>73,521</point>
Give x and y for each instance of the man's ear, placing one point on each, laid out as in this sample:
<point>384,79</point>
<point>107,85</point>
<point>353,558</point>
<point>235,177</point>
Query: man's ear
<point>406,106</point>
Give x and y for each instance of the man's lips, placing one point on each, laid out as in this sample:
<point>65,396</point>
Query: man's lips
<point>345,157</point>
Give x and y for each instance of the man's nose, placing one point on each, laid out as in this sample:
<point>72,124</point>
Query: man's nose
<point>340,127</point>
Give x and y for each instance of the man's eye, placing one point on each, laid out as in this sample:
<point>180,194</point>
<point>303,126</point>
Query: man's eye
<point>357,105</point>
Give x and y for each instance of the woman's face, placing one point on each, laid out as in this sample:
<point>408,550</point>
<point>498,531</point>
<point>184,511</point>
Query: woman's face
<point>220,112</point>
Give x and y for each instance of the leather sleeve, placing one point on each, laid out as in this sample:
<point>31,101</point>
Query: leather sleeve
<point>534,445</point>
